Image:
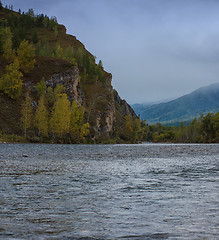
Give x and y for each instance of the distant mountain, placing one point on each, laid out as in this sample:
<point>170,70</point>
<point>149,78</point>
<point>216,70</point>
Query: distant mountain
<point>185,108</point>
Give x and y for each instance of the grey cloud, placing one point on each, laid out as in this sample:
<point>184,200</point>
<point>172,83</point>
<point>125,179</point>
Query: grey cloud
<point>155,49</point>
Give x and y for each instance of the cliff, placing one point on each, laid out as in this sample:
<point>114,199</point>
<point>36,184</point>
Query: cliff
<point>63,60</point>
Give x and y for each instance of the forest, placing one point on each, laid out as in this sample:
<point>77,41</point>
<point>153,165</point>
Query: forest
<point>205,129</point>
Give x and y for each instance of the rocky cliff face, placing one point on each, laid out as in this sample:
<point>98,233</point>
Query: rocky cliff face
<point>104,115</point>
<point>122,106</point>
<point>70,80</point>
<point>104,109</point>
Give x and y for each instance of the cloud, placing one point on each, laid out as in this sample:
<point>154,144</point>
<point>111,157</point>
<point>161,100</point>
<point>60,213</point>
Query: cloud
<point>154,49</point>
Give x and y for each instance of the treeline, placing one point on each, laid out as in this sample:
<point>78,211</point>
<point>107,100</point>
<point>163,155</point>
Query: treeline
<point>53,118</point>
<point>21,23</point>
<point>205,129</point>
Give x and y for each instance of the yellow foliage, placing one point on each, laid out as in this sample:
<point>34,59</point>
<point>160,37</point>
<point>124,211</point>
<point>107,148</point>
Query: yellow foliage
<point>85,130</point>
<point>26,54</point>
<point>11,83</point>
<point>41,117</point>
<point>8,52</point>
<point>60,120</point>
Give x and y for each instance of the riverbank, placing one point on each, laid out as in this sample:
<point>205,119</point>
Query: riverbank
<point>12,139</point>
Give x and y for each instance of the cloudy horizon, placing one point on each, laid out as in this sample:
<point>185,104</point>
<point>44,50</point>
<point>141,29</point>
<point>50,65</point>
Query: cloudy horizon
<point>160,49</point>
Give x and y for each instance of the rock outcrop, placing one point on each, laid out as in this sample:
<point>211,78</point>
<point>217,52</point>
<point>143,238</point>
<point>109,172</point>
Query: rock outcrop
<point>70,80</point>
<point>122,106</point>
<point>104,116</point>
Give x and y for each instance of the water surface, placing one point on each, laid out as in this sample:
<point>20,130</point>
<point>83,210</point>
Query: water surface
<point>147,191</point>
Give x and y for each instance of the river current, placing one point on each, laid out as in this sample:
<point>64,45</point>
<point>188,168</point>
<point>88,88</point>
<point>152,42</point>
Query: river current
<point>145,191</point>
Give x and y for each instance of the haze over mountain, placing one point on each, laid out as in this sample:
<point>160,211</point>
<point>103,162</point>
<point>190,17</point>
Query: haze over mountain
<point>185,108</point>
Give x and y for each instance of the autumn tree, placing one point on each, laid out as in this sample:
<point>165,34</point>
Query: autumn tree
<point>58,52</point>
<point>26,114</point>
<point>60,120</point>
<point>78,129</point>
<point>11,82</point>
<point>127,132</point>
<point>26,54</point>
<point>136,127</point>
<point>6,39</point>
<point>41,117</point>
<point>41,87</point>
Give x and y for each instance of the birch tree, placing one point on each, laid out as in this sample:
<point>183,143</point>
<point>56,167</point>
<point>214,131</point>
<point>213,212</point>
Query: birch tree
<point>26,114</point>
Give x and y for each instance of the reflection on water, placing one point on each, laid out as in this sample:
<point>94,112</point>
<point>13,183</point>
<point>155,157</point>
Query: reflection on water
<point>147,191</point>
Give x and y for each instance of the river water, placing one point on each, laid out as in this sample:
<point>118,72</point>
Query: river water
<point>145,191</point>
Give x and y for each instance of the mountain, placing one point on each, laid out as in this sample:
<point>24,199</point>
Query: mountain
<point>63,60</point>
<point>185,108</point>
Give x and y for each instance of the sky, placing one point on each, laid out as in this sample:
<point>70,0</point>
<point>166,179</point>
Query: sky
<point>155,49</point>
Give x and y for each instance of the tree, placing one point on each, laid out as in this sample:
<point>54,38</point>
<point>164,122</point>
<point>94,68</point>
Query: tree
<point>41,117</point>
<point>6,38</point>
<point>100,64</point>
<point>194,130</point>
<point>35,37</point>
<point>85,130</point>
<point>182,135</point>
<point>11,83</point>
<point>41,87</point>
<point>31,13</point>
<point>78,129</point>
<point>77,115</point>
<point>60,120</point>
<point>136,126</point>
<point>58,53</point>
<point>127,132</point>
<point>26,54</point>
<point>207,127</point>
<point>216,126</point>
<point>69,55</point>
<point>59,90</point>
<point>26,114</point>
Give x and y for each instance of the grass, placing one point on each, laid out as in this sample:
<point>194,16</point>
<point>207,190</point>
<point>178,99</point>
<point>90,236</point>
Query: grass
<point>12,139</point>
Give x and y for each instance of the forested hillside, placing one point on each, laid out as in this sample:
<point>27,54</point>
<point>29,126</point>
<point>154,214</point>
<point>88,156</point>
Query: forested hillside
<point>52,89</point>
<point>185,108</point>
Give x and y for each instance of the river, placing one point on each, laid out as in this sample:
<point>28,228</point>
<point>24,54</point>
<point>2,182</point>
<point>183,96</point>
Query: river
<point>144,191</point>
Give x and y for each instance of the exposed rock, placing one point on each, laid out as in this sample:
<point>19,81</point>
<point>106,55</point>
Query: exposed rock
<point>109,118</point>
<point>70,80</point>
<point>122,106</point>
<point>97,127</point>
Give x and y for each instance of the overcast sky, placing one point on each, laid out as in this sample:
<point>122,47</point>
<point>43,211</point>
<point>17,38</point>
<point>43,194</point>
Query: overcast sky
<point>155,49</point>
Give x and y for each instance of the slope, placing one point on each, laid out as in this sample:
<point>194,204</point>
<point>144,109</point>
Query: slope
<point>61,59</point>
<point>185,108</point>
